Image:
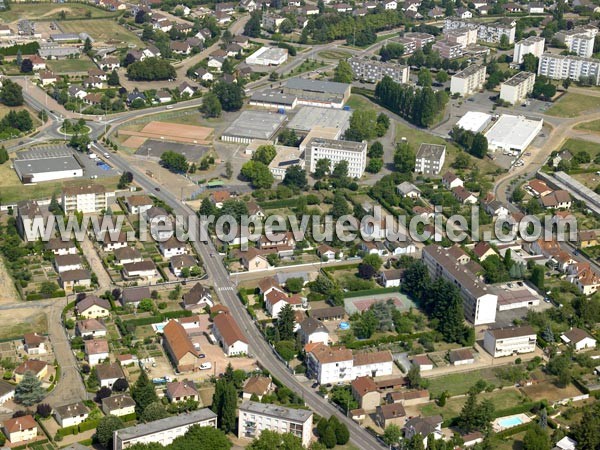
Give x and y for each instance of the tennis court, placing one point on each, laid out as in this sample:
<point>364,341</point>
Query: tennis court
<point>362,304</point>
<point>174,132</point>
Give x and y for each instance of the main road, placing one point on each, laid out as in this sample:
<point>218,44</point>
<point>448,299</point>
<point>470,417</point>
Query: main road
<point>226,291</point>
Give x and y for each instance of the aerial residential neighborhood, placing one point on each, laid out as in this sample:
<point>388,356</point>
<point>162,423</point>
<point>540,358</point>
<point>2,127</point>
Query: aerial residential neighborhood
<point>300,224</point>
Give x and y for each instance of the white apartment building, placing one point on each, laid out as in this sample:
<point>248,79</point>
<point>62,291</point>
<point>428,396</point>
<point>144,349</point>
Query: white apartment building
<point>559,67</point>
<point>468,81</point>
<point>452,264</point>
<point>515,89</point>
<point>464,36</point>
<point>532,45</point>
<point>430,159</point>
<point>486,32</point>
<point>447,49</point>
<point>163,431</point>
<point>338,364</point>
<point>335,151</point>
<point>579,40</point>
<point>254,417</point>
<point>374,71</point>
<point>87,199</point>
<point>509,341</point>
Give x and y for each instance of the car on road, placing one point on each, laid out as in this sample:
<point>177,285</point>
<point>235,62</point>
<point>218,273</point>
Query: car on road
<point>315,385</point>
<point>157,189</point>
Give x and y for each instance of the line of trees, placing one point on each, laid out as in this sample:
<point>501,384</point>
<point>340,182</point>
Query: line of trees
<point>418,106</point>
<point>151,69</point>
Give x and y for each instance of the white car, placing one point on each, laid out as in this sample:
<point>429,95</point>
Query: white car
<point>205,366</point>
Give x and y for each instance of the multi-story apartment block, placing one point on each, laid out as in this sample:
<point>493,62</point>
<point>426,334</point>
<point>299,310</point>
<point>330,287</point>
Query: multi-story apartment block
<point>559,67</point>
<point>374,71</point>
<point>464,36</point>
<point>355,153</point>
<point>163,431</point>
<point>486,32</point>
<point>255,417</point>
<point>453,265</point>
<point>532,45</point>
<point>579,40</point>
<point>420,39</point>
<point>468,81</point>
<point>27,211</point>
<point>509,341</point>
<point>89,198</point>
<point>447,49</point>
<point>516,89</point>
<point>430,159</point>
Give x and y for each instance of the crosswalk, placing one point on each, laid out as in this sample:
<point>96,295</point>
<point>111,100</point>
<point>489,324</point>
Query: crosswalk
<point>225,288</point>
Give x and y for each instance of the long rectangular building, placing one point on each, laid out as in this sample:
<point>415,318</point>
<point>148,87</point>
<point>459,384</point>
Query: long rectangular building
<point>335,151</point>
<point>256,417</point>
<point>325,94</point>
<point>163,431</point>
<point>517,88</point>
<point>468,81</point>
<point>373,71</point>
<point>532,45</point>
<point>559,67</point>
<point>479,303</point>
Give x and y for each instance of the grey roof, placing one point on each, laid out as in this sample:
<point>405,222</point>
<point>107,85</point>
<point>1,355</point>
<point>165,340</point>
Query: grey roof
<point>5,388</point>
<point>310,326</point>
<point>511,332</point>
<point>407,187</point>
<point>181,261</point>
<point>117,402</point>
<point>432,152</point>
<point>255,125</point>
<point>75,275</point>
<point>266,409</point>
<point>309,117</point>
<point>338,145</point>
<point>109,371</point>
<point>64,37</point>
<point>135,294</point>
<point>518,78</point>
<point>196,294</point>
<point>472,69</point>
<point>53,50</point>
<point>46,165</point>
<point>71,410</point>
<point>273,97</point>
<point>329,87</point>
<point>193,417</point>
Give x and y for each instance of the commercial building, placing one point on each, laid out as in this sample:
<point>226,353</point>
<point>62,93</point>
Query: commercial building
<point>90,198</point>
<point>430,159</point>
<point>254,417</point>
<point>36,170</point>
<point>309,117</point>
<point>163,431</point>
<point>515,89</point>
<point>509,341</point>
<point>373,71</point>
<point>268,56</point>
<point>468,81</point>
<point>454,265</point>
<point>559,67</point>
<point>355,153</point>
<point>325,94</point>
<point>285,158</point>
<point>513,132</point>
<point>448,49</point>
<point>474,121</point>
<point>273,99</point>
<point>252,125</point>
<point>533,45</point>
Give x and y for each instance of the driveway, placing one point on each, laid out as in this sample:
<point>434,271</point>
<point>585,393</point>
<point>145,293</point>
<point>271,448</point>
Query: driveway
<point>104,280</point>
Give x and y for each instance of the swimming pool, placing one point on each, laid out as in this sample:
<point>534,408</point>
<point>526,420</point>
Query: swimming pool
<point>344,326</point>
<point>509,422</point>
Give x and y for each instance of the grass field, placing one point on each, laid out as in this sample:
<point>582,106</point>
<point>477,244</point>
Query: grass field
<point>459,383</point>
<point>334,54</point>
<point>577,145</point>
<point>573,105</point>
<point>50,11</point>
<point>36,322</point>
<point>82,64</point>
<point>594,125</point>
<point>501,399</point>
<point>104,30</point>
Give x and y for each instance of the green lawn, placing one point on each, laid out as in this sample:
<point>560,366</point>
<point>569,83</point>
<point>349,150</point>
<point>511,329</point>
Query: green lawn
<point>82,64</point>
<point>334,54</point>
<point>51,11</point>
<point>573,105</point>
<point>502,399</point>
<point>594,125</point>
<point>102,30</point>
<point>460,383</point>
<point>577,145</point>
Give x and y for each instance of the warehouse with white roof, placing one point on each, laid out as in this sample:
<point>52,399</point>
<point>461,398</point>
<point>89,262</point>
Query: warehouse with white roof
<point>474,121</point>
<point>513,132</point>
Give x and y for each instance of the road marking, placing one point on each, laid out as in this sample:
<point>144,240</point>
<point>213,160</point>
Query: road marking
<point>225,288</point>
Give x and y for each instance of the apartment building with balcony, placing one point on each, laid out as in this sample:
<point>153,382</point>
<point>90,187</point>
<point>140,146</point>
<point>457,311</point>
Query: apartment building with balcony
<point>560,67</point>
<point>509,341</point>
<point>88,199</point>
<point>468,81</point>
<point>517,88</point>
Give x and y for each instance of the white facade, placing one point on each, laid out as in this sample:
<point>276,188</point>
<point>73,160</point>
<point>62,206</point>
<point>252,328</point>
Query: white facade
<point>560,67</point>
<point>334,365</point>
<point>509,341</point>
<point>532,45</point>
<point>516,89</point>
<point>430,159</point>
<point>268,56</point>
<point>335,151</point>
<point>85,199</point>
<point>468,81</point>
<point>513,132</point>
<point>374,71</point>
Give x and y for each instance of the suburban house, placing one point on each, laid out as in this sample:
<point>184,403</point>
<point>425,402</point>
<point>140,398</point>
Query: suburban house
<point>483,250</point>
<point>422,362</point>
<point>254,259</point>
<point>118,405</point>
<point>172,247</point>
<point>365,391</point>
<point>559,199</point>
<point>127,255</point>
<point>35,344</point>
<point>20,429</point>
<point>197,298</point>
<point>138,204</point>
<point>96,351</point>
<point>65,263</point>
<point>409,190</point>
<point>424,427</point>
<point>509,341</point>
<point>391,277</point>
<point>179,263</point>
<point>179,347</point>
<point>145,269</point>
<point>39,369</point>
<point>257,385</point>
<point>71,279</point>
<point>60,247</point>
<point>275,300</point>
<point>312,330</point>
<point>134,295</point>
<point>112,241</point>
<point>450,181</point>
<point>464,196</point>
<point>392,413</point>
<point>228,333</point>
<point>92,307</point>
<point>72,414</point>
<point>578,339</point>
<point>181,391</point>
<point>461,357</point>
<point>587,238</point>
<point>108,374</point>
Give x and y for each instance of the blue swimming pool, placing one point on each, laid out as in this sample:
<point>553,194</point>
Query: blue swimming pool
<point>344,326</point>
<point>509,422</point>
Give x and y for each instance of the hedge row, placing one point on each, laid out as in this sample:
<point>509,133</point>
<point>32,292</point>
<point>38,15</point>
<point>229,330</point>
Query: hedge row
<point>515,430</point>
<point>518,409</point>
<point>76,429</point>
<point>340,267</point>
<point>375,291</point>
<point>277,204</point>
<point>128,417</point>
<point>36,296</point>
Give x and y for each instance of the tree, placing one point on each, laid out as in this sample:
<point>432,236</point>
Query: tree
<point>322,168</point>
<point>294,284</point>
<point>369,266</point>
<point>44,410</point>
<point>329,438</point>
<point>342,435</point>
<point>105,429</point>
<point>29,391</point>
<point>228,170</point>
<point>102,393</point>
<point>254,25</point>
<point>339,206</point>
<point>424,77</point>
<point>3,155</point>
<point>113,78</point>
<point>26,66</point>
<point>225,404</point>
<point>295,176</point>
<point>404,158</point>
<point>536,439</point>
<point>530,63</point>
<point>537,276</point>
<point>392,434</point>
<point>211,106</point>
<point>264,154</point>
<point>474,416</point>
<point>285,323</point>
<point>125,179</point>
<point>231,95</point>
<point>271,440</point>
<point>375,150</point>
<point>175,162</point>
<point>441,76</point>
<point>286,27</point>
<point>87,46</point>
<point>121,385</point>
<point>154,411</point>
<point>146,305</point>
<point>462,161</point>
<point>258,174</point>
<point>375,165</point>
<point>363,125</point>
<point>11,93</point>
<point>415,381</point>
<point>586,432</point>
<point>343,72</point>
<point>504,42</point>
<point>143,392</point>
<point>151,69</point>
<point>480,146</point>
